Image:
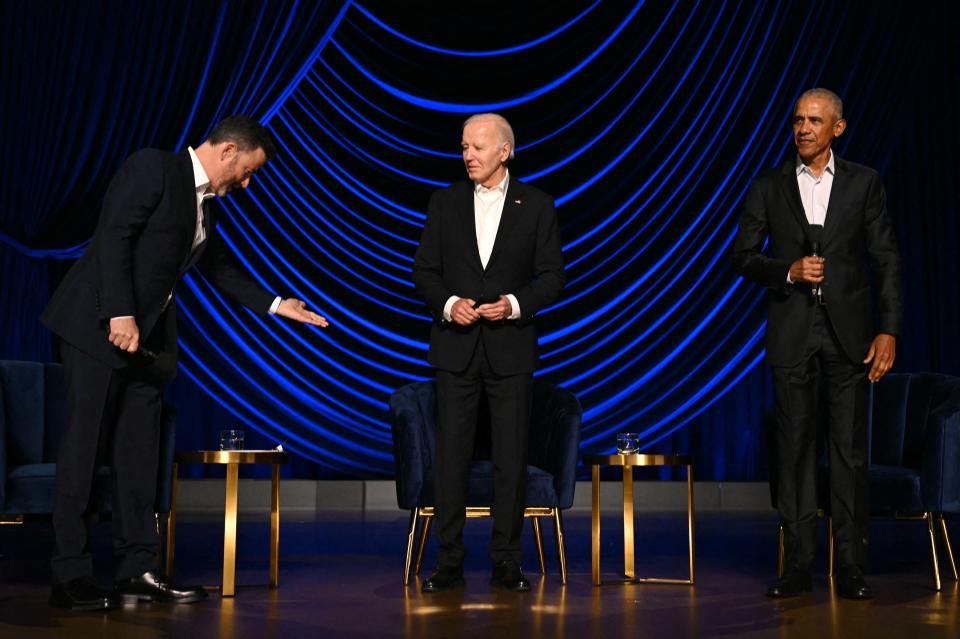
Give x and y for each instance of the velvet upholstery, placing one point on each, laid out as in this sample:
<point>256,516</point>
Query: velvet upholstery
<point>553,449</point>
<point>915,444</point>
<point>32,419</point>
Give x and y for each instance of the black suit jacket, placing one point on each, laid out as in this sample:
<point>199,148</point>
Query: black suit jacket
<point>857,231</point>
<point>527,261</point>
<point>141,247</point>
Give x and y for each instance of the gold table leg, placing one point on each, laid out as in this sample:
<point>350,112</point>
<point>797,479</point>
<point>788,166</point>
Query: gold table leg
<point>172,523</point>
<point>690,516</point>
<point>595,526</point>
<point>275,527</point>
<point>230,532</point>
<point>629,560</point>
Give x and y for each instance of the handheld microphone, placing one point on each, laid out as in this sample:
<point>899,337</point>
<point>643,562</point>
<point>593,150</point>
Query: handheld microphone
<point>816,233</point>
<point>147,354</point>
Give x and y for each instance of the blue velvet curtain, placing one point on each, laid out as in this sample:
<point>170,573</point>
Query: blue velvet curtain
<point>646,120</point>
<point>87,83</point>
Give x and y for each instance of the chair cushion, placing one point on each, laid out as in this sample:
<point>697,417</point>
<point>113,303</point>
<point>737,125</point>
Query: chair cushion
<point>894,488</point>
<point>540,487</point>
<point>30,489</point>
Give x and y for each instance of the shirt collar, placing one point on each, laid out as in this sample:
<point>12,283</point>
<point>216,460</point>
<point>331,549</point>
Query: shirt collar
<point>201,181</point>
<point>502,186</point>
<point>801,167</point>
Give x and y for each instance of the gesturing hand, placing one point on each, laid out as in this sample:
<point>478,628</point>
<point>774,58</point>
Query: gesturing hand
<point>297,311</point>
<point>496,311</point>
<point>463,313</point>
<point>124,334</point>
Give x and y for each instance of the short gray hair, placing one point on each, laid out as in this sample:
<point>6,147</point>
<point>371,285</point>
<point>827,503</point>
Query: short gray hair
<point>826,94</point>
<point>504,130</point>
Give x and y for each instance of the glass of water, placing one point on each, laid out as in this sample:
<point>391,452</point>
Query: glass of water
<point>628,443</point>
<point>231,439</point>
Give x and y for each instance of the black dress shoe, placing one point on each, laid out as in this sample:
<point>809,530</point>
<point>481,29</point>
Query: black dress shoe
<point>443,579</point>
<point>507,575</point>
<point>791,584</point>
<point>852,585</point>
<point>82,593</point>
<point>154,586</point>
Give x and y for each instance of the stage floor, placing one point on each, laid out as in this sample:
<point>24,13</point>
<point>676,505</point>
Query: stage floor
<point>340,576</point>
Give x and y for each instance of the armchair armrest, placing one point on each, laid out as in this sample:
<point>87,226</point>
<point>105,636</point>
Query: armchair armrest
<point>940,470</point>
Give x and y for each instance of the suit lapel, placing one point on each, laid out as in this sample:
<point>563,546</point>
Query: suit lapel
<point>837,192</point>
<point>512,204</point>
<point>468,222</point>
<point>188,218</point>
<point>791,193</point>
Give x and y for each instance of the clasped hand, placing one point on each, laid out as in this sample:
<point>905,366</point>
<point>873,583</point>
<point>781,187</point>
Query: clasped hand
<point>463,312</point>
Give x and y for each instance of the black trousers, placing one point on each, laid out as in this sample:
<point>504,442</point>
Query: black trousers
<point>825,374</point>
<point>113,418</point>
<point>510,400</point>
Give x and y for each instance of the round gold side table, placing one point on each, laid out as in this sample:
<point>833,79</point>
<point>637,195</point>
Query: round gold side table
<point>628,462</point>
<point>232,459</point>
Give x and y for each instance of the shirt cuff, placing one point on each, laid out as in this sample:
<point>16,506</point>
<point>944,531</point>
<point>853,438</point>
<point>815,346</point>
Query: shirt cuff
<point>275,305</point>
<point>448,307</point>
<point>789,281</point>
<point>515,305</point>
<point>121,317</point>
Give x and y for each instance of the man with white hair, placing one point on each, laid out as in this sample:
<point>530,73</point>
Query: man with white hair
<point>489,259</point>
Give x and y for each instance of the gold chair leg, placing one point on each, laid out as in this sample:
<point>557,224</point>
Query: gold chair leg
<point>946,541</point>
<point>780,552</point>
<point>831,548</point>
<point>424,532</point>
<point>933,550</point>
<point>172,523</point>
<point>411,535</point>
<point>538,537</point>
<point>561,552</point>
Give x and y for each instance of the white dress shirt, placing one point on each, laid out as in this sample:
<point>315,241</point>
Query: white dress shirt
<point>814,193</point>
<point>487,211</point>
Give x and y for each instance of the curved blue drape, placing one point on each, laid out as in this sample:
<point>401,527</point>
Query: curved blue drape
<point>645,120</point>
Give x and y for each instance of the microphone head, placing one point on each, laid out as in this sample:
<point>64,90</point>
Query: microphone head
<point>815,233</point>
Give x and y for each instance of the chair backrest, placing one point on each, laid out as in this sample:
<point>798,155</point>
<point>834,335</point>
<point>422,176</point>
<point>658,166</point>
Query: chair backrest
<point>553,447</point>
<point>901,408</point>
<point>33,418</point>
<point>33,413</point>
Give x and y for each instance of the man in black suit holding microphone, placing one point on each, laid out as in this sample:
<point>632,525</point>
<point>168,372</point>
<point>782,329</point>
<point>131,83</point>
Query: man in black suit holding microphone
<point>825,218</point>
<point>115,313</point>
<point>489,259</point>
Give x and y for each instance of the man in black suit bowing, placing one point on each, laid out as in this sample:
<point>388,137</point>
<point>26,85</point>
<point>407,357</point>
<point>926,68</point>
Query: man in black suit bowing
<point>115,313</point>
<point>825,219</point>
<point>489,259</point>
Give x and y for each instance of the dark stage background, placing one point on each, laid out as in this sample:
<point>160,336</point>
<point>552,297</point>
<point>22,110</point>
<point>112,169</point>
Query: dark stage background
<point>646,121</point>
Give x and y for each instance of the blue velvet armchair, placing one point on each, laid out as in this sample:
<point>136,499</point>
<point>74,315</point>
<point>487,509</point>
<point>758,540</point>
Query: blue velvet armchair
<point>914,426</point>
<point>33,416</point>
<point>551,470</point>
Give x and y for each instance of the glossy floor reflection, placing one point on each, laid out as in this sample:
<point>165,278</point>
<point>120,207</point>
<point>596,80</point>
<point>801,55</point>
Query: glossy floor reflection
<point>340,576</point>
